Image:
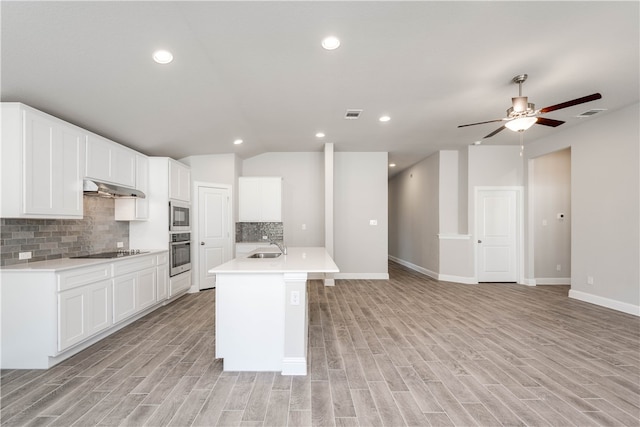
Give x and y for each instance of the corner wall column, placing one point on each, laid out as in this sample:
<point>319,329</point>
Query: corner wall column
<point>328,207</point>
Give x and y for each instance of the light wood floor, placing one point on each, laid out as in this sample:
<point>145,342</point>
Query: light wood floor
<point>408,351</point>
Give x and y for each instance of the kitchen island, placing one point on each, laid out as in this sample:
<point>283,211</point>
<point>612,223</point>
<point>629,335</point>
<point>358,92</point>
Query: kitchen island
<point>262,314</point>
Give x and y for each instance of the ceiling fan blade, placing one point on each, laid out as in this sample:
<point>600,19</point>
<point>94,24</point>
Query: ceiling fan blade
<point>549,122</point>
<point>495,132</point>
<point>481,123</point>
<point>571,103</point>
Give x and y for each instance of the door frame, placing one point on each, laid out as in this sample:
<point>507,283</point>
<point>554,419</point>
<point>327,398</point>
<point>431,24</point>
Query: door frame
<point>519,256</point>
<point>195,257</point>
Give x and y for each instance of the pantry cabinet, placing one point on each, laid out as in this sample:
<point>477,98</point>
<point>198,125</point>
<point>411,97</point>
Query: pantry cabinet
<point>110,162</point>
<point>42,165</point>
<point>260,199</point>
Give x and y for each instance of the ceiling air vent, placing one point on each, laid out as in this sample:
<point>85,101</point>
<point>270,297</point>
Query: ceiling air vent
<point>352,114</point>
<point>591,112</point>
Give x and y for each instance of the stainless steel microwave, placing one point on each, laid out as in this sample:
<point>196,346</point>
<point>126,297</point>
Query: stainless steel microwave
<point>179,216</point>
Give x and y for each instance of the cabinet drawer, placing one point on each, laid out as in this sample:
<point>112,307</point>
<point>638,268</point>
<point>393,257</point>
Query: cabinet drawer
<point>162,259</point>
<point>83,276</point>
<point>132,265</point>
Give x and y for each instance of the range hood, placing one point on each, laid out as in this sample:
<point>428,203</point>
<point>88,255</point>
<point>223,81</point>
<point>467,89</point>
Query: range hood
<point>92,187</point>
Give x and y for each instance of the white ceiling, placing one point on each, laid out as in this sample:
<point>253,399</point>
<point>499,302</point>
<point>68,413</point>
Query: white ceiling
<point>256,71</point>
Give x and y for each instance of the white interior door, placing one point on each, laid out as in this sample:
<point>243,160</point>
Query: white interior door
<point>497,235</point>
<point>214,235</point>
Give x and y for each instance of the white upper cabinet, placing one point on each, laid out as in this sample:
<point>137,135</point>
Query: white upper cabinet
<point>42,165</point>
<point>260,199</point>
<point>136,209</point>
<point>110,162</point>
<point>179,181</point>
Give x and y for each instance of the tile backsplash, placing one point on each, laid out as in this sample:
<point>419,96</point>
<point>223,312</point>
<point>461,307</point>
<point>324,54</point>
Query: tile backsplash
<point>98,231</point>
<point>253,231</point>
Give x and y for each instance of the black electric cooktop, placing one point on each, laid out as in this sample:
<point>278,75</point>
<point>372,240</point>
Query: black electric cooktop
<point>114,254</point>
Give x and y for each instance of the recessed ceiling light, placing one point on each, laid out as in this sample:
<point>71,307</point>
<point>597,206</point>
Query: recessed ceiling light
<point>320,135</point>
<point>384,118</point>
<point>238,141</point>
<point>162,56</point>
<point>330,43</point>
<point>477,142</point>
<point>392,165</point>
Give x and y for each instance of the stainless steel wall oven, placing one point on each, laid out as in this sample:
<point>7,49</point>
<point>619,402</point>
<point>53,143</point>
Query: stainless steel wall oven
<point>179,253</point>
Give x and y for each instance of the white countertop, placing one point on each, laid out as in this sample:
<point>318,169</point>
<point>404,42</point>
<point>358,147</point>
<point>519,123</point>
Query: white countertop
<point>61,264</point>
<point>297,260</point>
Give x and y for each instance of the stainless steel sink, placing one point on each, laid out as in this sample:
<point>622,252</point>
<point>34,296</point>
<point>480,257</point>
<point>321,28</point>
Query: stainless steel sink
<point>265,255</point>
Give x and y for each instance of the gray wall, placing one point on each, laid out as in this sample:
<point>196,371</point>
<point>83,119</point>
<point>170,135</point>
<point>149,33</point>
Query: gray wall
<point>414,214</point>
<point>302,192</point>
<point>550,195</point>
<point>360,195</point>
<point>605,204</point>
<point>47,239</point>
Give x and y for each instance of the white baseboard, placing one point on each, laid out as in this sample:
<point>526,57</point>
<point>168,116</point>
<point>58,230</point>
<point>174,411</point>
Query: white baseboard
<point>529,282</point>
<point>444,277</point>
<point>553,281</point>
<point>361,276</point>
<point>414,267</point>
<point>458,279</point>
<point>294,366</point>
<point>605,302</point>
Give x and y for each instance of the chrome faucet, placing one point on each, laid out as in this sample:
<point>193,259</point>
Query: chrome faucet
<point>282,247</point>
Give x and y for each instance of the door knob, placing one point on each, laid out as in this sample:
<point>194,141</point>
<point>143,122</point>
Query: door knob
<point>479,241</point>
<point>202,243</point>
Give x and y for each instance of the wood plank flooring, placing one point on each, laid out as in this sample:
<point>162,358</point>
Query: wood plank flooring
<point>407,351</point>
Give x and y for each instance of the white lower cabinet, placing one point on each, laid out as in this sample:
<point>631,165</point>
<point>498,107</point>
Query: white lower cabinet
<point>179,283</point>
<point>162,287</point>
<point>124,297</point>
<point>83,312</point>
<point>146,289</point>
<point>48,315</point>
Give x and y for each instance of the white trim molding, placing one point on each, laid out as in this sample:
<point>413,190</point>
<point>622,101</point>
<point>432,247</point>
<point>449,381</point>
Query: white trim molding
<point>443,277</point>
<point>553,281</point>
<point>294,366</point>
<point>414,267</point>
<point>605,302</point>
<point>361,276</point>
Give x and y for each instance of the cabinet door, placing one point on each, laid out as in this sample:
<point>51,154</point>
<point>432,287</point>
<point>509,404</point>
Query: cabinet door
<point>162,284</point>
<point>179,283</point>
<point>123,166</point>
<point>71,317</point>
<point>52,167</point>
<point>98,158</point>
<point>249,200</point>
<point>99,314</point>
<point>179,181</point>
<point>271,196</point>
<point>146,289</point>
<point>124,297</point>
<point>136,209</point>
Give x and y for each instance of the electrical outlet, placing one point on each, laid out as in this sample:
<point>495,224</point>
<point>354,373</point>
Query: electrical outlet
<point>544,222</point>
<point>24,255</point>
<point>304,226</point>
<point>265,237</point>
<point>295,297</point>
<point>558,267</point>
<point>589,280</point>
<point>373,222</point>
<point>119,245</point>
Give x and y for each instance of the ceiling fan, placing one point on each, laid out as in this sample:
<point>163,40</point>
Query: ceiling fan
<point>522,114</point>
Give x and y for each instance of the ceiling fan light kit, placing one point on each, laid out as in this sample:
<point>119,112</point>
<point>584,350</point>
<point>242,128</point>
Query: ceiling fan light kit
<point>522,114</point>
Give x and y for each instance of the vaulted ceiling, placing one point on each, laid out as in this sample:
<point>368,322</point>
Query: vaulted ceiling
<point>257,71</point>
